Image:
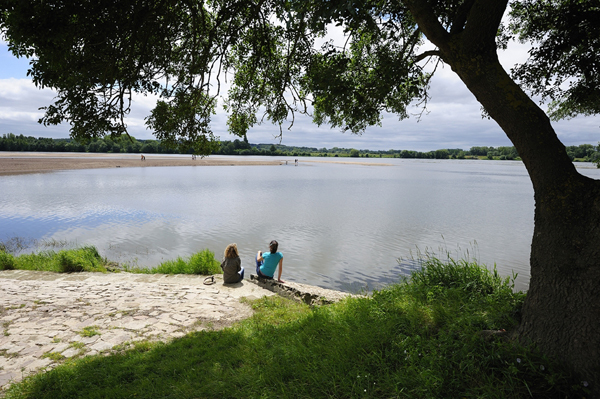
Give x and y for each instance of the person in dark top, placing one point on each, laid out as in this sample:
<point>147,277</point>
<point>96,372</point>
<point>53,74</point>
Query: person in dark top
<point>233,272</point>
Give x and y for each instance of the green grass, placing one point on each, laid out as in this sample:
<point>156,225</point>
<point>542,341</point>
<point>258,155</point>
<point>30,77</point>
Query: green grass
<point>89,260</point>
<point>416,339</point>
<point>65,261</point>
<point>7,261</point>
<point>89,331</point>
<point>202,262</point>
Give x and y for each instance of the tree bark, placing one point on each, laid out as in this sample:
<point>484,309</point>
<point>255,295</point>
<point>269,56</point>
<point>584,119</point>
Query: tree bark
<point>561,314</point>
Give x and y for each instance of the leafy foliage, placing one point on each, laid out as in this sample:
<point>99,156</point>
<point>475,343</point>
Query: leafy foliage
<point>563,64</point>
<point>98,54</point>
<point>180,50</point>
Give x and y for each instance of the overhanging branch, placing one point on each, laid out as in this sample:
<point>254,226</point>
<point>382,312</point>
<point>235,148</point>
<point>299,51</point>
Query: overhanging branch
<point>426,54</point>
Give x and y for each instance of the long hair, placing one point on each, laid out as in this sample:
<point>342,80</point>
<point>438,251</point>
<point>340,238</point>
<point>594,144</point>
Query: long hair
<point>273,246</point>
<point>231,251</point>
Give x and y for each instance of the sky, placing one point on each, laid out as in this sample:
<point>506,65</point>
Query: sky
<point>453,120</point>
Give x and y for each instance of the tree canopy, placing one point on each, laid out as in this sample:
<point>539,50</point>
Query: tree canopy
<point>96,54</point>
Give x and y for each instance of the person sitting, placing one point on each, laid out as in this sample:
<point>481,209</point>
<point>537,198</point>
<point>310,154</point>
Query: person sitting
<point>267,262</point>
<point>233,272</point>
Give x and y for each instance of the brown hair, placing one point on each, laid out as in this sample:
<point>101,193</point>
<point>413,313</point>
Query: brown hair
<point>273,246</point>
<point>231,251</point>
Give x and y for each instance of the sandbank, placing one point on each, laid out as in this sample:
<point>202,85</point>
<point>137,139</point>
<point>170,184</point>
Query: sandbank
<point>14,163</point>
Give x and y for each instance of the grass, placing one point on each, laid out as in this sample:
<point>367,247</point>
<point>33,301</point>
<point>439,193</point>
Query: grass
<point>202,262</point>
<point>54,356</point>
<point>89,260</point>
<point>65,261</point>
<point>89,331</point>
<point>420,338</point>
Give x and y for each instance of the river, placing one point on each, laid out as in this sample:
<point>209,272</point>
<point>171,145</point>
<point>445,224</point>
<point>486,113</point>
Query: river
<point>347,224</point>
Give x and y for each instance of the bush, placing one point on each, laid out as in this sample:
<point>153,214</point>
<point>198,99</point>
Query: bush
<point>7,261</point>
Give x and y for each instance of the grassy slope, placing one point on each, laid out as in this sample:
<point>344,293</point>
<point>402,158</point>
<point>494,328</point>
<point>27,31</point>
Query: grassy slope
<point>415,340</point>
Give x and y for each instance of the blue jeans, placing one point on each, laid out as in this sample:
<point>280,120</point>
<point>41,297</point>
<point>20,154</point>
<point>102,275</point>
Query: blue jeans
<point>258,273</point>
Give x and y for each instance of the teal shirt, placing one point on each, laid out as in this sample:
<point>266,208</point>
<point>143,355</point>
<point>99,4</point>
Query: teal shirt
<point>270,263</point>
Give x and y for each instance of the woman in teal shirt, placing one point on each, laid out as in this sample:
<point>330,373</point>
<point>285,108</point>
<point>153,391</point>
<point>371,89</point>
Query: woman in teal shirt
<point>267,262</point>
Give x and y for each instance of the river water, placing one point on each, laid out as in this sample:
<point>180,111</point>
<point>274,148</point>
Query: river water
<point>347,226</point>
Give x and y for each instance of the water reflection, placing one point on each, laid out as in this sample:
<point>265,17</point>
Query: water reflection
<point>339,225</point>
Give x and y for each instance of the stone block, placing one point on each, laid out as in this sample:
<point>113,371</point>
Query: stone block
<point>101,346</point>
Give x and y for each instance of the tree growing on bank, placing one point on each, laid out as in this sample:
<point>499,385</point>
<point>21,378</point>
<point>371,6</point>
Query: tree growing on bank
<point>96,54</point>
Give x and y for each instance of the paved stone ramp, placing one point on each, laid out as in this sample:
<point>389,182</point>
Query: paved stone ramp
<point>46,317</point>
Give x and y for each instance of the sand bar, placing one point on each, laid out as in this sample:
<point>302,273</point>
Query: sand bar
<point>14,163</point>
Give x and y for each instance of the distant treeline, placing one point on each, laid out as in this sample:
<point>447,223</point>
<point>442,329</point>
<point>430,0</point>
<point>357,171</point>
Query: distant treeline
<point>124,144</point>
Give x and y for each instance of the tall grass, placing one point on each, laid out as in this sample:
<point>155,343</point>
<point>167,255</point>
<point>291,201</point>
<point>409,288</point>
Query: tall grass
<point>65,261</point>
<point>88,259</point>
<point>7,261</point>
<point>420,338</point>
<point>202,262</point>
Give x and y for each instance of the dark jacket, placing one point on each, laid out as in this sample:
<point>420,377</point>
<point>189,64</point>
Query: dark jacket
<point>231,267</point>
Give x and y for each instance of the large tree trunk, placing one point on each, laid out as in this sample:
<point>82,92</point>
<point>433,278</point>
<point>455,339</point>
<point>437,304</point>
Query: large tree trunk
<point>561,314</point>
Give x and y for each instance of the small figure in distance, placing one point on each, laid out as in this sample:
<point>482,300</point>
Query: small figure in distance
<point>267,262</point>
<point>233,272</point>
<point>143,158</point>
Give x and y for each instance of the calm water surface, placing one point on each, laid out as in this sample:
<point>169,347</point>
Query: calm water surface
<point>341,226</point>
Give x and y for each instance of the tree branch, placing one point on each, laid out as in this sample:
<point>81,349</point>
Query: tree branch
<point>428,23</point>
<point>482,26</point>
<point>461,16</point>
<point>430,53</point>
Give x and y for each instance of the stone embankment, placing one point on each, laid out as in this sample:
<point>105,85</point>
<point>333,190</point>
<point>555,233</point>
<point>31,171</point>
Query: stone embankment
<point>46,317</point>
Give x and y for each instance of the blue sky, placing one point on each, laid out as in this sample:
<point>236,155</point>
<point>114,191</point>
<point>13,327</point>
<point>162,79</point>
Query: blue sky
<point>454,119</point>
